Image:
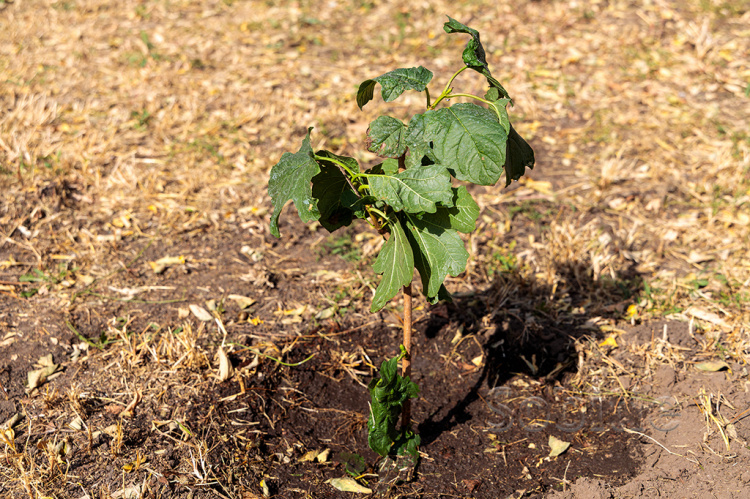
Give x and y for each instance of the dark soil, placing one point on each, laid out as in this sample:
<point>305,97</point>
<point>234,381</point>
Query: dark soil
<point>495,385</point>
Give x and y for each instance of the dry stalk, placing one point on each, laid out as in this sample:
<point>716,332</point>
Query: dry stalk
<point>117,441</point>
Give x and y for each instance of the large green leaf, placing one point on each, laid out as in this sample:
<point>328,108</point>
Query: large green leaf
<point>385,137</point>
<point>469,141</point>
<point>396,263</point>
<point>333,191</point>
<point>519,156</point>
<point>414,190</point>
<point>388,394</point>
<point>461,217</point>
<point>291,179</point>
<point>394,83</point>
<point>438,249</point>
<point>474,56</point>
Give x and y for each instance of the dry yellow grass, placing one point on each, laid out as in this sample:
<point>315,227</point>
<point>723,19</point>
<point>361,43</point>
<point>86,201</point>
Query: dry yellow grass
<point>170,116</point>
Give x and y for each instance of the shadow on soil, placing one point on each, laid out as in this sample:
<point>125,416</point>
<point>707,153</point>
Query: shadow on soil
<point>532,328</point>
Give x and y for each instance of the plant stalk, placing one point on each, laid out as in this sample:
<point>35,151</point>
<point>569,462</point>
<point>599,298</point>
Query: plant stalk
<point>406,361</point>
<point>447,90</point>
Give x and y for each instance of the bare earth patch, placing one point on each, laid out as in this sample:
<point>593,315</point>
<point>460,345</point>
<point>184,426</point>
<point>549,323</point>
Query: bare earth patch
<point>606,303</point>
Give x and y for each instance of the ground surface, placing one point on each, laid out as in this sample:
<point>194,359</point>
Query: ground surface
<point>605,303</point>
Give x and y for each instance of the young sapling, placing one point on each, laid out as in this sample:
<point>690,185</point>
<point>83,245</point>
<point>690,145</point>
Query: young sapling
<point>410,198</point>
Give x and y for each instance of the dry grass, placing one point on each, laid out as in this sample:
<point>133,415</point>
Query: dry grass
<point>143,120</point>
<point>153,120</point>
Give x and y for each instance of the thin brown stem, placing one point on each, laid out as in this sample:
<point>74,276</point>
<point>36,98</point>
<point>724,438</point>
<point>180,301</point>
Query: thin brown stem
<point>406,361</point>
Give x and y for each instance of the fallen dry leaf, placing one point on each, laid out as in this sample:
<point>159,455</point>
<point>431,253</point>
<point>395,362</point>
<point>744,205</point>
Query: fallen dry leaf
<point>46,360</point>
<point>610,342</point>
<point>140,460</point>
<point>294,311</point>
<point>309,456</point>
<point>326,313</point>
<point>541,186</point>
<point>76,424</point>
<point>347,484</point>
<point>162,264</point>
<point>113,409</point>
<point>8,339</point>
<point>37,377</point>
<point>323,456</point>
<point>695,257</point>
<point>557,446</point>
<point>712,366</point>
<point>225,367</point>
<point>128,492</point>
<point>707,316</point>
<point>201,313</point>
<point>242,301</point>
<point>129,410</point>
<point>471,484</point>
<point>8,435</point>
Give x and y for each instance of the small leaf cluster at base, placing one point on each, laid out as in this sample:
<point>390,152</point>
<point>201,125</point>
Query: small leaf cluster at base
<point>388,393</point>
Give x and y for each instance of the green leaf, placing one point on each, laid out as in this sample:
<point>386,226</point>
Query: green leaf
<point>414,190</point>
<point>499,106</point>
<point>396,263</point>
<point>462,216</point>
<point>407,444</point>
<point>385,137</point>
<point>474,56</point>
<point>388,393</point>
<point>331,188</point>
<point>469,141</point>
<point>36,276</point>
<point>354,464</point>
<point>388,167</point>
<point>291,178</point>
<point>496,84</point>
<point>418,146</point>
<point>442,295</point>
<point>394,83</point>
<point>437,248</point>
<point>357,204</point>
<point>519,156</point>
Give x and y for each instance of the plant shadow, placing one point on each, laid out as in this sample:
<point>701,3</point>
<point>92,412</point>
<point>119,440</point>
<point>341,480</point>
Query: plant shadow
<point>526,326</point>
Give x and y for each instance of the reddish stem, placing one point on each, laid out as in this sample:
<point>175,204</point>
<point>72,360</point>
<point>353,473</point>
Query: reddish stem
<point>406,361</point>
